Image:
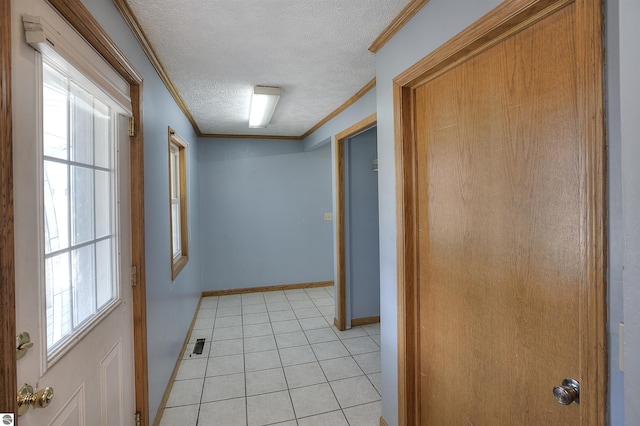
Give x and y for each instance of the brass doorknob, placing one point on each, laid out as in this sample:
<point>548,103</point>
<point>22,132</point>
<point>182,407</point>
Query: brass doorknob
<point>27,398</point>
<point>568,393</point>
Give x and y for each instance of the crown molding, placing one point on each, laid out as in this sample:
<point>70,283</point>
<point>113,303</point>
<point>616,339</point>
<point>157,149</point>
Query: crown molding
<point>352,100</point>
<point>133,23</point>
<point>223,136</point>
<point>403,17</point>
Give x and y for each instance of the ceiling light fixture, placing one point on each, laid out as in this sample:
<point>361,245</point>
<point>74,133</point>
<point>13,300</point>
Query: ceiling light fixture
<point>263,103</point>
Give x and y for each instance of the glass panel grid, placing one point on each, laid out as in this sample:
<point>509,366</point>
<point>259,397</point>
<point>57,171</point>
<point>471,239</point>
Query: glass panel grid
<point>175,229</point>
<point>56,218</point>
<point>79,205</point>
<point>174,172</point>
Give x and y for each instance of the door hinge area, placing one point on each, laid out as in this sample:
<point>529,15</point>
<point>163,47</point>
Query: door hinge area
<point>134,275</point>
<point>138,418</point>
<point>132,127</point>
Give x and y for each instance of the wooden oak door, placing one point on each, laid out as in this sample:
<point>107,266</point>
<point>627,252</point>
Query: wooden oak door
<point>503,217</point>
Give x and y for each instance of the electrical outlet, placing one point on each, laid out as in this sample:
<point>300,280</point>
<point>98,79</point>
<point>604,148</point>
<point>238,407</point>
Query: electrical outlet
<point>328,216</point>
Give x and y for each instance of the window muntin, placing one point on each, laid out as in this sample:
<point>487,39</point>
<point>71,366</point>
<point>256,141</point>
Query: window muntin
<point>79,194</point>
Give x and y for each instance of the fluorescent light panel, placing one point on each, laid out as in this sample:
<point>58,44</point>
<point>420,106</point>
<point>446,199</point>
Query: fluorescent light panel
<point>263,103</point>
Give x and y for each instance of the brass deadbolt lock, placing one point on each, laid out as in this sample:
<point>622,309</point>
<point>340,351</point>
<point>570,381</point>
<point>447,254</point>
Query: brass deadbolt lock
<point>23,344</point>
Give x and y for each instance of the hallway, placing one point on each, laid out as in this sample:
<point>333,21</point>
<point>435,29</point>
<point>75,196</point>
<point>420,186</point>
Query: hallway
<point>275,358</point>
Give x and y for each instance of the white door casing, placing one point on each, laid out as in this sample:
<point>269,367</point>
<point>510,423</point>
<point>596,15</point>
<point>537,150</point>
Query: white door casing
<point>93,381</point>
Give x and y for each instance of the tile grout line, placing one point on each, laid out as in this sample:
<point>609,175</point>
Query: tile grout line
<point>295,416</point>
<point>204,379</point>
<point>367,333</point>
<point>244,366</point>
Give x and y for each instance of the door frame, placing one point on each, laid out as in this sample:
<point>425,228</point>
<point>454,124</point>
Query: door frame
<point>81,19</point>
<point>505,20</point>
<point>8,379</point>
<point>341,260</point>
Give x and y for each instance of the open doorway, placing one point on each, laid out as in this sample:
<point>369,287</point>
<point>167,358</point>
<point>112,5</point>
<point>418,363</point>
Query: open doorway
<point>357,238</point>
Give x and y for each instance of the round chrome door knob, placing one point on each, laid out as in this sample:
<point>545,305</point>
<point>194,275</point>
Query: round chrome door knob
<point>568,393</point>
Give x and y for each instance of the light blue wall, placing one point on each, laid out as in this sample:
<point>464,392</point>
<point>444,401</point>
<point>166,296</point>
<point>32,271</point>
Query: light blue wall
<point>615,225</point>
<point>324,135</point>
<point>361,194</point>
<point>170,305</point>
<point>262,204</point>
<point>628,105</point>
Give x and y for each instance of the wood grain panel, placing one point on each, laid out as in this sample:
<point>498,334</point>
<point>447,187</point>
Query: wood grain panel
<point>365,320</point>
<point>586,186</point>
<point>357,128</point>
<point>505,20</point>
<point>82,20</point>
<point>341,256</point>
<point>591,130</point>
<point>498,178</point>
<point>7,270</point>
<point>408,390</point>
<point>138,257</point>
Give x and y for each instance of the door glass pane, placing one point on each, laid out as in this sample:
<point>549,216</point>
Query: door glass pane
<point>81,125</point>
<point>79,194</point>
<point>55,114</point>
<point>83,284</point>
<point>101,134</point>
<point>56,202</point>
<point>82,204</point>
<point>103,203</point>
<point>104,272</point>
<point>58,298</point>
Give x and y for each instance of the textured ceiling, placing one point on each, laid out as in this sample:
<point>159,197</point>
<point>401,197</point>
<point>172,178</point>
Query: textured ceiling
<point>215,51</point>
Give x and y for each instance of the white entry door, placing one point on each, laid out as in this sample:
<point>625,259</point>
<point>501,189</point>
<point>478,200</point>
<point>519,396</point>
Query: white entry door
<point>72,229</point>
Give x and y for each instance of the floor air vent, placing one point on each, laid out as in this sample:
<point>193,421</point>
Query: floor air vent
<point>198,347</point>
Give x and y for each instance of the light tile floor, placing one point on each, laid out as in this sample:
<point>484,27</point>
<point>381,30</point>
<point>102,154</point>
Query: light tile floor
<point>275,358</point>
